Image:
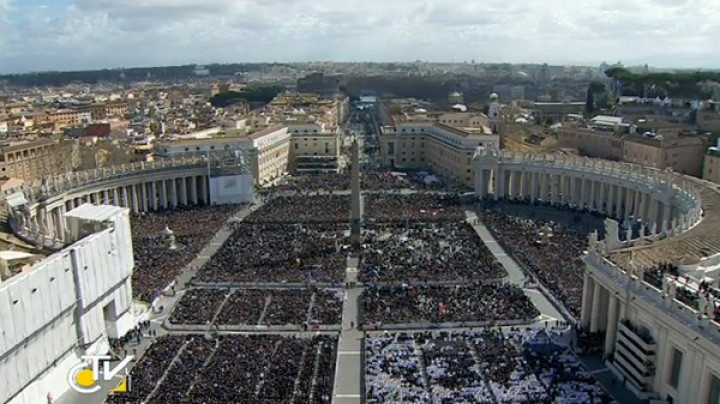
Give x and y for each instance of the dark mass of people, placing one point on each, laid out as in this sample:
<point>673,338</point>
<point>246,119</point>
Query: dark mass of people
<point>445,251</point>
<point>156,266</point>
<point>442,304</point>
<point>270,252</point>
<point>518,367</point>
<point>234,369</point>
<point>426,207</point>
<point>303,209</point>
<point>251,307</point>
<point>556,263</point>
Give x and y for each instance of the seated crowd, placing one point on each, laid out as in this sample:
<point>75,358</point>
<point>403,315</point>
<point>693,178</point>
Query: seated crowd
<point>258,252</point>
<point>476,367</point>
<point>381,207</point>
<point>303,209</point>
<point>447,251</point>
<point>442,304</point>
<point>557,265</point>
<point>250,307</point>
<point>155,266</point>
<point>234,369</point>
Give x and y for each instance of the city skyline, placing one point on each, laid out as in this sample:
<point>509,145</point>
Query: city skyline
<point>89,34</point>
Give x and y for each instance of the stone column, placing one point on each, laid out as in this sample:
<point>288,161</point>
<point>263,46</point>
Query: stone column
<point>596,303</point>
<point>618,201</point>
<point>173,193</point>
<point>62,222</point>
<point>135,199</point>
<point>666,217</point>
<point>183,191</point>
<point>499,184</point>
<point>125,197</point>
<point>144,195</point>
<point>554,185</point>
<point>153,195</point>
<point>636,205</point>
<point>601,197</point>
<point>534,184</point>
<point>116,197</point>
<point>163,194</point>
<point>586,301</point>
<point>193,190</point>
<point>612,322</point>
<point>628,203</point>
<point>204,191</point>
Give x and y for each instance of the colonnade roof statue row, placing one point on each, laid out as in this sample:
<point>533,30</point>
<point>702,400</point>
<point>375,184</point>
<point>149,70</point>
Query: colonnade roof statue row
<point>36,215</point>
<point>666,204</point>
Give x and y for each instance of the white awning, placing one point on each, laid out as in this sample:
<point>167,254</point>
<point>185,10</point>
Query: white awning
<point>16,200</point>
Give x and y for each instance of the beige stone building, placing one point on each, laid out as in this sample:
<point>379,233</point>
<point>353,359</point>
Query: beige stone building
<point>439,148</point>
<point>684,154</point>
<point>711,165</point>
<point>273,150</point>
<point>30,161</point>
<point>591,142</point>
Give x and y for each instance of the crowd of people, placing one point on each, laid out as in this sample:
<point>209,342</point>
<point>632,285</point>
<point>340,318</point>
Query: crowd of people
<point>441,304</point>
<point>148,371</point>
<point>250,307</point>
<point>156,266</point>
<point>303,209</point>
<point>234,369</point>
<point>426,207</point>
<point>436,251</point>
<point>555,260</point>
<point>480,367</point>
<point>279,253</point>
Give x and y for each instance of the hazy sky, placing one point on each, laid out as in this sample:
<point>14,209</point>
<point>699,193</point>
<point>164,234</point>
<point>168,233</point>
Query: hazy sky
<point>85,34</point>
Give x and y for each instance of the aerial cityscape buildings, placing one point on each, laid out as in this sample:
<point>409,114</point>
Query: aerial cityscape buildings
<point>360,232</point>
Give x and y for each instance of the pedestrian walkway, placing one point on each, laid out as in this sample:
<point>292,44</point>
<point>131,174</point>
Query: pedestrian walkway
<point>349,367</point>
<point>515,274</point>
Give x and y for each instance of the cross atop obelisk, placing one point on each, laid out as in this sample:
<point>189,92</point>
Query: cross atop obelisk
<point>355,213</point>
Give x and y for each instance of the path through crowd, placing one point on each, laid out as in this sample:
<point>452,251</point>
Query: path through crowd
<point>349,368</point>
<point>515,274</point>
<point>166,300</point>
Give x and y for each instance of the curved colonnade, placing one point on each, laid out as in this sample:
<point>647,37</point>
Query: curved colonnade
<point>666,203</point>
<point>138,186</point>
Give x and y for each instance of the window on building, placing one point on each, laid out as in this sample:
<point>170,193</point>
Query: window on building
<point>391,147</point>
<point>714,392</point>
<point>675,368</point>
<point>296,146</point>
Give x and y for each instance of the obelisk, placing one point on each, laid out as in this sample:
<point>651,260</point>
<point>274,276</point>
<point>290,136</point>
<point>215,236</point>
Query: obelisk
<point>355,213</point>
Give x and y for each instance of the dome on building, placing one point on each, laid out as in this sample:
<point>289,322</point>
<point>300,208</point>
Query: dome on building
<point>522,75</point>
<point>455,94</point>
<point>460,107</point>
<point>494,97</point>
<point>421,110</point>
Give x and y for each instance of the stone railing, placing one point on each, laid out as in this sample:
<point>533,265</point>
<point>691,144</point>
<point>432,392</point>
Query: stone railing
<point>654,298</point>
<point>671,188</point>
<point>58,184</point>
<point>24,224</point>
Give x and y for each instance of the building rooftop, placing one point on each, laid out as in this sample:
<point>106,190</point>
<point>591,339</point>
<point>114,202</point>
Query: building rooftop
<point>97,213</point>
<point>703,240</point>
